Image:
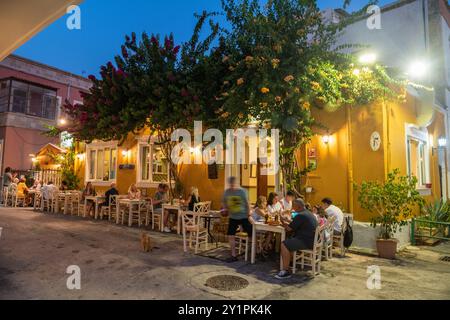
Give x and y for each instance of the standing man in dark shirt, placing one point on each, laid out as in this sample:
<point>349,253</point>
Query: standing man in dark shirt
<point>304,227</point>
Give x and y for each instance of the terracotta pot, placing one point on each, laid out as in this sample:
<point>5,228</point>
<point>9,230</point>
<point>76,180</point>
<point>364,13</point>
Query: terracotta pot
<point>387,248</point>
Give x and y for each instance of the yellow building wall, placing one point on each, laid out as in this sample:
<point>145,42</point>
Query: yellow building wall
<point>345,159</point>
<point>190,175</point>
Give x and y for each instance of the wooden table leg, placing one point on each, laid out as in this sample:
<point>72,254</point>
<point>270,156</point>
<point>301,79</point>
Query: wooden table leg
<point>178,222</point>
<point>95,209</point>
<point>253,245</point>
<point>117,211</point>
<point>130,215</point>
<point>161,227</point>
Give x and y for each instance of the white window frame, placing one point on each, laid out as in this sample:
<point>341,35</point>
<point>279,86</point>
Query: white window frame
<point>140,183</point>
<point>421,136</point>
<point>100,146</point>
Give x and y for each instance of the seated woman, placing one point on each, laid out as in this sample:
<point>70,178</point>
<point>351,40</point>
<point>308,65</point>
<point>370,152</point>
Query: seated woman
<point>133,192</point>
<point>194,198</point>
<point>274,205</point>
<point>260,210</point>
<point>259,215</point>
<point>320,215</point>
<point>88,191</point>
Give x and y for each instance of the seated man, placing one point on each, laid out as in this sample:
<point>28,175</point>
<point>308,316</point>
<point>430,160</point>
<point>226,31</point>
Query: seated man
<point>303,226</point>
<point>158,200</point>
<point>332,211</point>
<point>112,191</point>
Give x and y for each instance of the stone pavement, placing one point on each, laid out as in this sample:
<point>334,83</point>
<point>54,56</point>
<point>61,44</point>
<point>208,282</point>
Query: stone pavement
<point>36,249</point>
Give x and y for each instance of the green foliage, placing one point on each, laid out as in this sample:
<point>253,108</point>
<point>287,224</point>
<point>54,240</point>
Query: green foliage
<point>270,67</point>
<point>283,62</point>
<point>393,201</point>
<point>438,211</point>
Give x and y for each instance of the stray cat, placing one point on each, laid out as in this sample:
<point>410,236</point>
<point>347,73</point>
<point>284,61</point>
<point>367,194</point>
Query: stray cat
<point>146,243</point>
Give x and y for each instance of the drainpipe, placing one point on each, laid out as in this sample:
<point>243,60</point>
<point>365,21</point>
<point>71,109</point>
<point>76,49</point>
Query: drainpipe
<point>386,135</point>
<point>350,159</point>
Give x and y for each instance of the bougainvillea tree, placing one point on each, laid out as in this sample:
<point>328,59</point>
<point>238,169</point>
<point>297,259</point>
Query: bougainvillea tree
<point>283,61</point>
<point>156,85</point>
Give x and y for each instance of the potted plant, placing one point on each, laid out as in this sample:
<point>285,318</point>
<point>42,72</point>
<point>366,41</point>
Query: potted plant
<point>393,201</point>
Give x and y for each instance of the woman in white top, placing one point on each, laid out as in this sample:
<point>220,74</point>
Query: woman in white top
<point>274,205</point>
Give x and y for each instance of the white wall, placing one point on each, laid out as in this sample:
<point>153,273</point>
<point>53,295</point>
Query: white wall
<point>400,39</point>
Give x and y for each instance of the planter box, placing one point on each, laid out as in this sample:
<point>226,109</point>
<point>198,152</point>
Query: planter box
<point>422,234</point>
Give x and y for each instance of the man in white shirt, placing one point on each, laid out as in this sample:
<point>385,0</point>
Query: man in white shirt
<point>286,202</point>
<point>333,211</point>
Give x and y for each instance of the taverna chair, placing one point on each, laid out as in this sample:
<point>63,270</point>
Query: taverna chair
<point>328,238</point>
<point>193,229</point>
<point>312,257</point>
<point>156,215</point>
<point>111,209</point>
<point>338,239</point>
<point>202,207</point>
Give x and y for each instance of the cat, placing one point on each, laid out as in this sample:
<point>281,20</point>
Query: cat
<point>146,243</point>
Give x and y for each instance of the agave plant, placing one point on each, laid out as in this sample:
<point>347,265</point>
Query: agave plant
<point>437,211</point>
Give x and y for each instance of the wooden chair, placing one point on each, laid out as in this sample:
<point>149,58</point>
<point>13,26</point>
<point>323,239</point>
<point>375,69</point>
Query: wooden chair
<point>5,192</point>
<point>60,202</point>
<point>11,196</point>
<point>202,207</point>
<point>328,238</point>
<point>48,201</point>
<point>111,209</point>
<point>242,241</point>
<point>338,239</point>
<point>73,202</point>
<point>139,213</point>
<point>18,199</point>
<point>198,234</point>
<point>156,216</point>
<point>37,201</point>
<point>149,213</point>
<point>312,257</point>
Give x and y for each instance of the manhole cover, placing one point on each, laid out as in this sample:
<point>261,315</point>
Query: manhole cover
<point>445,258</point>
<point>227,283</point>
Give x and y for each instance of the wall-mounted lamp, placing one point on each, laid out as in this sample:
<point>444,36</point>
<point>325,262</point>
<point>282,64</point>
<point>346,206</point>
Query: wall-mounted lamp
<point>326,138</point>
<point>62,121</point>
<point>442,142</point>
<point>124,153</point>
<point>80,156</point>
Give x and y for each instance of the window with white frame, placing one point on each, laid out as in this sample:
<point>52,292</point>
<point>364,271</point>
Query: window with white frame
<point>153,166</point>
<point>101,163</point>
<point>418,155</point>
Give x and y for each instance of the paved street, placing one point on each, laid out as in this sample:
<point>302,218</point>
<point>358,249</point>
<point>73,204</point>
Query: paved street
<point>36,249</point>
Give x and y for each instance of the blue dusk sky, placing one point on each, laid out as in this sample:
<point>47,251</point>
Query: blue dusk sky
<point>105,23</point>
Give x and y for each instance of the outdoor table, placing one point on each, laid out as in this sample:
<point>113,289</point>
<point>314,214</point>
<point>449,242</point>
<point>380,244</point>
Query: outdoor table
<point>208,217</point>
<point>175,207</point>
<point>261,226</point>
<point>97,200</point>
<point>130,203</point>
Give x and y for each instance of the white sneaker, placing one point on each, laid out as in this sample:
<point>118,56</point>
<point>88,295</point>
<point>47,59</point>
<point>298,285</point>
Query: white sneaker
<point>167,229</point>
<point>283,274</point>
